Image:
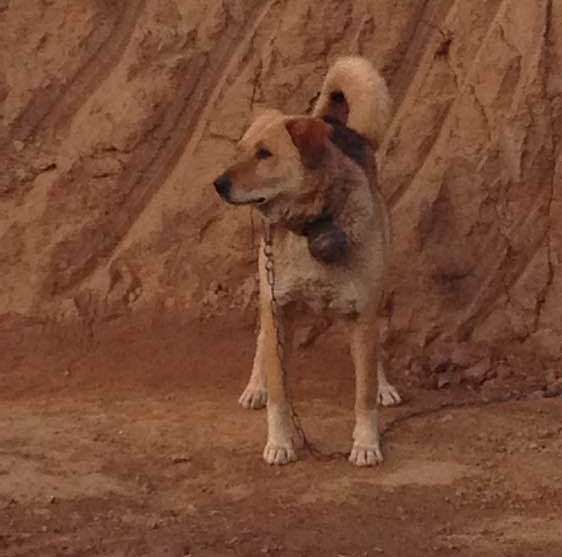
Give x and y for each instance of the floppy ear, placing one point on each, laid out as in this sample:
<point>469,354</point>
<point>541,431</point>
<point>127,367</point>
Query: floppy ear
<point>310,136</point>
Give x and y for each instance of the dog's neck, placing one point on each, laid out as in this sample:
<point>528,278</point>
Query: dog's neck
<point>325,198</point>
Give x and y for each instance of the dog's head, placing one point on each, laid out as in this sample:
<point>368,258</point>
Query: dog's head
<point>274,161</point>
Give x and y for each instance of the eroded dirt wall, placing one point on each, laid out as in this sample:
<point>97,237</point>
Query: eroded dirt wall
<point>116,115</point>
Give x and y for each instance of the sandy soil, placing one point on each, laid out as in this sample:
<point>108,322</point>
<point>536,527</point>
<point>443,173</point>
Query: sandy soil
<point>139,449</point>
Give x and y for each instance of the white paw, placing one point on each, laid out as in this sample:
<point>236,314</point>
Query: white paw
<point>279,453</point>
<point>253,397</point>
<point>388,395</point>
<point>362,455</point>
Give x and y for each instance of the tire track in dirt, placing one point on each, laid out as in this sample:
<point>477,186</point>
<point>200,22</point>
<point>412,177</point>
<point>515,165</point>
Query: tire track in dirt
<point>415,44</point>
<point>514,254</point>
<point>532,232</point>
<point>225,74</point>
<point>507,264</point>
<point>175,130</point>
<point>446,117</point>
<point>104,47</point>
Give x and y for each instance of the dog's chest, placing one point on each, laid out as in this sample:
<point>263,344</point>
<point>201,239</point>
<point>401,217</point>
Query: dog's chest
<point>301,279</point>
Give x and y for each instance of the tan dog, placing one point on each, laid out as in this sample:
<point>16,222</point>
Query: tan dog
<point>314,180</point>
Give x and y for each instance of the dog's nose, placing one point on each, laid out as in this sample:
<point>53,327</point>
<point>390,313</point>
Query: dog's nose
<point>222,185</point>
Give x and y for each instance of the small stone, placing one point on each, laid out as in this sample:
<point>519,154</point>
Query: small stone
<point>468,354</point>
<point>181,459</point>
<point>478,373</point>
<point>443,380</point>
<point>417,367</point>
<point>504,371</point>
<point>18,145</point>
<point>104,167</point>
<point>44,164</point>
<point>553,386</point>
<point>22,174</point>
<point>440,357</point>
<point>536,395</point>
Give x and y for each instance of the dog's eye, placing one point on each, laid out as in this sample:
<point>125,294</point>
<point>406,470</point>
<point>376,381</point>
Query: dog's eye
<point>263,153</point>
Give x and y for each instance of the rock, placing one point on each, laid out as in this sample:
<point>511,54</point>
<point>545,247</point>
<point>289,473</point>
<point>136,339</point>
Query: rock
<point>478,373</point>
<point>553,383</point>
<point>503,371</point>
<point>536,395</point>
<point>439,361</point>
<point>443,380</point>
<point>448,378</point>
<point>467,354</point>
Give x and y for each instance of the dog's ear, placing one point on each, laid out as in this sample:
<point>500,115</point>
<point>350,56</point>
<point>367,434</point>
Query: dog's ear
<point>310,136</point>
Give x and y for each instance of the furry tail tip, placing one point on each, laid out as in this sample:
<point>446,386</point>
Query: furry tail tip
<point>356,94</point>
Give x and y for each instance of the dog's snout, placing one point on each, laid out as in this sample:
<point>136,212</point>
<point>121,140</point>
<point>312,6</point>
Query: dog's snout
<point>222,185</point>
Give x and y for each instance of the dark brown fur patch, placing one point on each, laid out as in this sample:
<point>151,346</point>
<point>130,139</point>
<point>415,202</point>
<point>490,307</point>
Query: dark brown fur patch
<point>350,143</point>
<point>327,242</point>
<point>338,109</point>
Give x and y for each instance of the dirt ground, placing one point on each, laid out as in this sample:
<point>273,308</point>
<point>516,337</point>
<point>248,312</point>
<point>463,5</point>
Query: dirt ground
<point>139,449</point>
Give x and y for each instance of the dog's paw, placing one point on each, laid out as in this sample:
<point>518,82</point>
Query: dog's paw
<point>388,395</point>
<point>253,397</point>
<point>279,454</point>
<point>362,455</point>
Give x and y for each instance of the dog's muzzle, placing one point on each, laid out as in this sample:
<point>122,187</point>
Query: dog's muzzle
<point>222,185</point>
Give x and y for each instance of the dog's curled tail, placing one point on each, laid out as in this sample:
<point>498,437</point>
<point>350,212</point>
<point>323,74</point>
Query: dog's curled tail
<point>356,94</point>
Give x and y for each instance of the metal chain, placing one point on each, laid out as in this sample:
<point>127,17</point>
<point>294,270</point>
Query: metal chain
<point>280,344</point>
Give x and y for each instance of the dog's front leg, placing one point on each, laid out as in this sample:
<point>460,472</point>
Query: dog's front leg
<point>282,436</point>
<point>363,343</point>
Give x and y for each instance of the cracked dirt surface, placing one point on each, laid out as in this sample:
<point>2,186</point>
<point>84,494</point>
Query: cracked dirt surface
<point>144,452</point>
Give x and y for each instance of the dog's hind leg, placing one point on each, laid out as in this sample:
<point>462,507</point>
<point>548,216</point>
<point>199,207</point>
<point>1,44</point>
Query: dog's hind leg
<point>255,393</point>
<point>363,343</point>
<point>388,395</point>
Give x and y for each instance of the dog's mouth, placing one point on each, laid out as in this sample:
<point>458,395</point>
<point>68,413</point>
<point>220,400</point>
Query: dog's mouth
<point>259,201</point>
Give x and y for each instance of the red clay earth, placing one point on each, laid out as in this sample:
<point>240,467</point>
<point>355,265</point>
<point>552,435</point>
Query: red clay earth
<point>138,448</point>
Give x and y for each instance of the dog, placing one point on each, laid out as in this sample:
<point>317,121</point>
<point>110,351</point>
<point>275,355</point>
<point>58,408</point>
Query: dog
<point>314,180</point>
